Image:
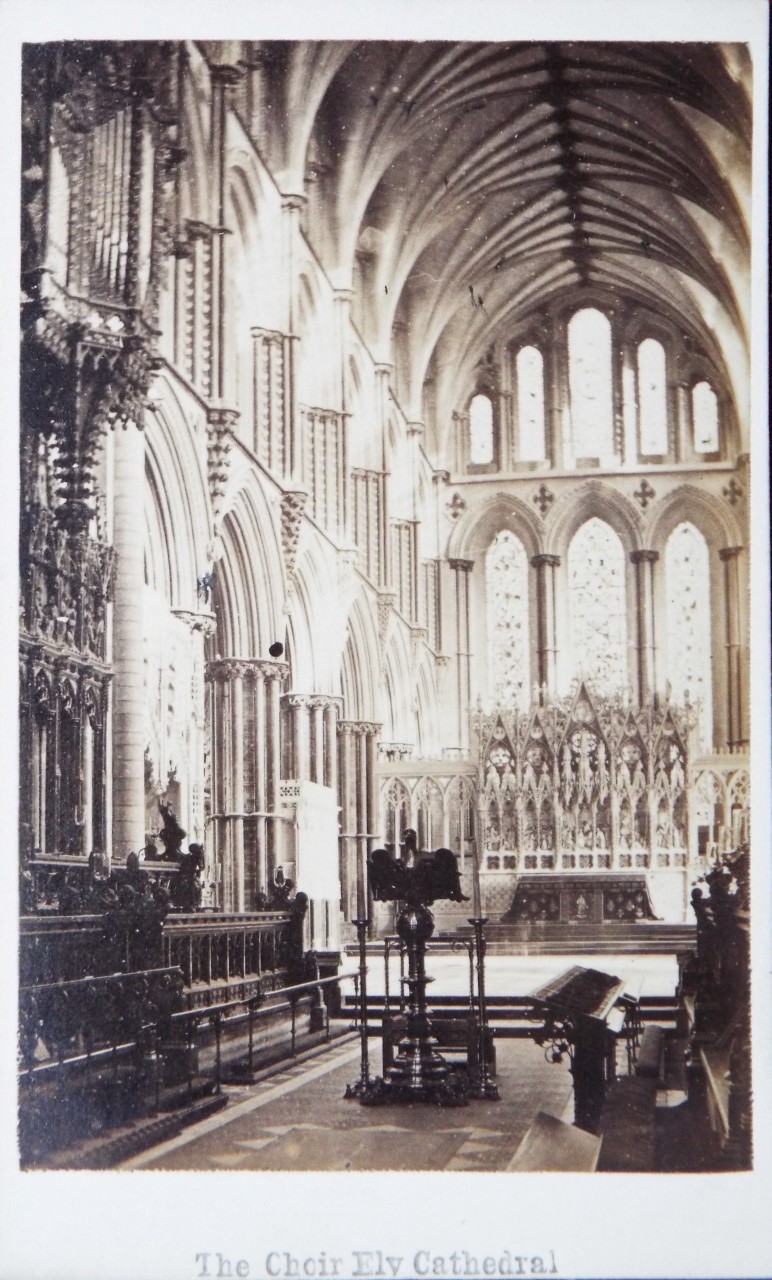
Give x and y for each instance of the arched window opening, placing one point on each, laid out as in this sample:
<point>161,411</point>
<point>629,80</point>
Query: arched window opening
<point>597,606</point>
<point>397,811</point>
<point>506,578</point>
<point>461,817</point>
<point>687,583</point>
<point>705,418</point>
<point>530,404</point>
<point>430,815</point>
<point>652,398</point>
<point>589,380</point>
<point>480,430</point>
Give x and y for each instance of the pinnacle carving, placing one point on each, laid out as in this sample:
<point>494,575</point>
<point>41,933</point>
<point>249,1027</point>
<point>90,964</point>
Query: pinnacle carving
<point>219,434</point>
<point>293,505</point>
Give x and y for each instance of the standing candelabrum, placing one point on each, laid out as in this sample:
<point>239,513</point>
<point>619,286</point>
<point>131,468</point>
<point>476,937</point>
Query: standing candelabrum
<point>418,1072</point>
<point>361,1087</point>
<point>482,1084</point>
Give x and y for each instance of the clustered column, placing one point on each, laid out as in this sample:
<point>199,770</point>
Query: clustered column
<point>462,569</point>
<point>245,720</point>
<point>644,562</point>
<point>736,733</point>
<point>545,566</point>
<point>128,685</point>
<point>358,798</point>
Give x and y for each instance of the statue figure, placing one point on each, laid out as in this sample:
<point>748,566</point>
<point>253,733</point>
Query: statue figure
<point>171,834</point>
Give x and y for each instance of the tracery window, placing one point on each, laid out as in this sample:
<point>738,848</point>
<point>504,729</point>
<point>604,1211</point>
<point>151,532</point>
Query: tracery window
<point>589,380</point>
<point>529,367</point>
<point>652,398</point>
<point>597,606</point>
<point>705,418</point>
<point>480,430</point>
<point>506,576</point>
<point>461,816</point>
<point>397,807</point>
<point>430,815</point>
<point>687,582</point>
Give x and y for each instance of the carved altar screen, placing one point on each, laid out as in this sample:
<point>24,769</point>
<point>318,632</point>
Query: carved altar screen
<point>687,579</point>
<point>597,605</point>
<point>506,569</point>
<point>586,783</point>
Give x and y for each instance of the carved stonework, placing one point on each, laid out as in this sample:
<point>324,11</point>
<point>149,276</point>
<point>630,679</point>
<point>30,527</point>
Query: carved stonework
<point>88,331</point>
<point>293,504</point>
<point>65,584</point>
<point>386,602</point>
<point>220,425</point>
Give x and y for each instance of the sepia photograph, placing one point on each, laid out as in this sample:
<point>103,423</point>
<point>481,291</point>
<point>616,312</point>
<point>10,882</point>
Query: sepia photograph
<point>386,450</point>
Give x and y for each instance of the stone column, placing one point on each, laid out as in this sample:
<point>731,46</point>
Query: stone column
<point>462,570</point>
<point>382,376</point>
<point>684,435</point>
<point>546,631</point>
<point>347,802</point>
<point>128,768</point>
<point>629,389</point>
<point>292,206</point>
<point>644,562</point>
<point>362,828</point>
<point>318,706</point>
<point>236,821</point>
<point>557,394</point>
<point>330,777</point>
<point>223,79</point>
<point>275,674</point>
<point>301,755</point>
<point>735,728</point>
<point>261,781</point>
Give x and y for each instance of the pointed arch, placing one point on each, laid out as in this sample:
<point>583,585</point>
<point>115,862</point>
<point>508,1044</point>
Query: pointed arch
<point>593,498</point>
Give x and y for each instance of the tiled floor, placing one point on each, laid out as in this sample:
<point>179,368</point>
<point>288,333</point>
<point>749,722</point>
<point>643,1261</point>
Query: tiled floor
<point>299,1119</point>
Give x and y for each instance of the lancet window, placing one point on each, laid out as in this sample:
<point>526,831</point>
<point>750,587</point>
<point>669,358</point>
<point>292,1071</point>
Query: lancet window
<point>507,595</point>
<point>530,404</point>
<point>652,398</point>
<point>705,418</point>
<point>430,815</point>
<point>481,449</point>
<point>397,811</point>
<point>687,580</point>
<point>589,378</point>
<point>597,605</point>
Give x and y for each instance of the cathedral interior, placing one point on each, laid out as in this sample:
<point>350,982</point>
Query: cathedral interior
<point>385,438</point>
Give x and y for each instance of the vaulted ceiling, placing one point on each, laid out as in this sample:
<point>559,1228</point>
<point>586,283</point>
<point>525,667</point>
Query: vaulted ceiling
<point>472,185</point>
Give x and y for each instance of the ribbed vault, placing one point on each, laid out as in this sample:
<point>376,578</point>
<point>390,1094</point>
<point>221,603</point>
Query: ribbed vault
<point>465,187</point>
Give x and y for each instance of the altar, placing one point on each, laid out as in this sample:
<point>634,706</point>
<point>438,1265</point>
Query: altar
<point>580,899</point>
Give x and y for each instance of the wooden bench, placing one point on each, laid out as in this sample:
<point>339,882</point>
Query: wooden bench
<point>650,1061</point>
<point>551,1146</point>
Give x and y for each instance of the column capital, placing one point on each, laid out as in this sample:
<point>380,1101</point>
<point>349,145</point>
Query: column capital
<point>545,558</point>
<point>440,476</point>
<point>644,557</point>
<point>730,553</point>
<point>293,201</point>
<point>224,75</point>
<point>297,701</point>
<point>462,566</point>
